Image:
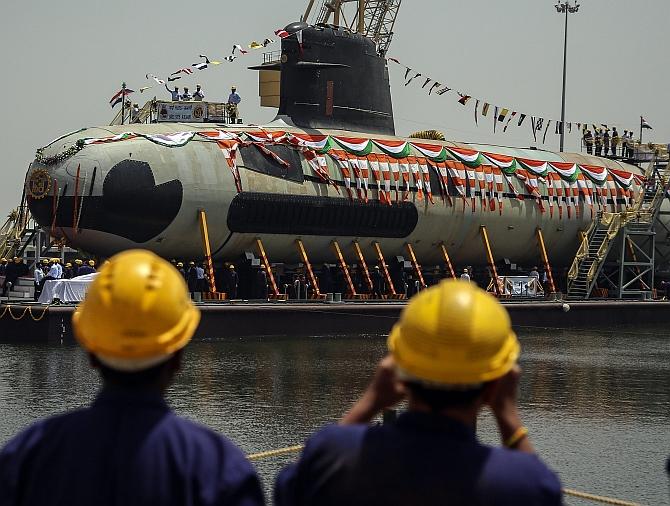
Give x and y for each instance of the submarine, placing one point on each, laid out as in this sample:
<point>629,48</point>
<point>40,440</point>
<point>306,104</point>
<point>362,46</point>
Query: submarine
<point>328,168</point>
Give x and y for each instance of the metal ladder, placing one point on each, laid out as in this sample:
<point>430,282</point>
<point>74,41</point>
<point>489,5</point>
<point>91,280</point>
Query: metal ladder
<point>602,235</point>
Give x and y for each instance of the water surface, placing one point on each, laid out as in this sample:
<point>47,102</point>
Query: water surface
<point>597,403</point>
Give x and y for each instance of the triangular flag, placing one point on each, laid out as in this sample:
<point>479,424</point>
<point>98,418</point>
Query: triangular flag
<point>509,120</point>
<point>435,85</point>
<point>418,74</point>
<point>485,108</point>
<point>521,119</point>
<point>544,137</point>
<point>428,79</point>
<point>503,114</point>
<point>443,90</point>
<point>464,99</point>
<point>476,109</point>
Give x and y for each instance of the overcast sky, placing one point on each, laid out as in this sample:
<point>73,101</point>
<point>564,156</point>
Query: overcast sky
<point>62,61</point>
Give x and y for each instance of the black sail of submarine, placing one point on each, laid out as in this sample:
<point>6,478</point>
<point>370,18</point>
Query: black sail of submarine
<point>332,78</point>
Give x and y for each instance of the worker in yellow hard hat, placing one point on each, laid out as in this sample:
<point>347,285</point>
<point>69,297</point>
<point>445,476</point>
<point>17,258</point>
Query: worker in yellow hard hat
<point>128,446</point>
<point>452,354</point>
<point>68,272</point>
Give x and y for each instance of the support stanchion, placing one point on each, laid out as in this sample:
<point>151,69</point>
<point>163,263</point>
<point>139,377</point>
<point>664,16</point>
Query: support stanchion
<point>384,267</point>
<point>415,264</point>
<point>447,260</point>
<point>362,263</point>
<point>345,270</point>
<point>310,271</point>
<point>545,260</point>
<point>491,261</point>
<point>204,231</point>
<point>268,270</point>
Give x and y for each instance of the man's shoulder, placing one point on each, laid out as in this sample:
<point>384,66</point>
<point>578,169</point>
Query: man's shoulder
<point>33,435</point>
<point>340,439</point>
<point>203,437</point>
<point>518,474</point>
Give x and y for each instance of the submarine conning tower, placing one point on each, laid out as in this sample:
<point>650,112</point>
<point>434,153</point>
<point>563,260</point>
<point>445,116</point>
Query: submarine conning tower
<point>334,78</point>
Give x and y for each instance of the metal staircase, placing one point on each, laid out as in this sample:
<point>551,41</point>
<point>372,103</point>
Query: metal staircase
<point>631,232</point>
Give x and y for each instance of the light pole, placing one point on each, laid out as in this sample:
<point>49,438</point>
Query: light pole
<point>565,8</point>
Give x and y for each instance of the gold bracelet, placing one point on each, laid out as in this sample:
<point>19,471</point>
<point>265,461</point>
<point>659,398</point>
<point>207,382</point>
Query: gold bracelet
<point>515,438</point>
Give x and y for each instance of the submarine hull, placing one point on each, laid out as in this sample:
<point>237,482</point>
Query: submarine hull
<point>138,194</point>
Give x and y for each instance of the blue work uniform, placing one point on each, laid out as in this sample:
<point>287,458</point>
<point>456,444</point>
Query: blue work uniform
<point>127,448</point>
<point>420,459</point>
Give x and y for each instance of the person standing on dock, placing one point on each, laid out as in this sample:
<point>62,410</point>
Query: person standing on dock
<point>606,142</point>
<point>192,278</point>
<point>616,140</point>
<point>230,282</point>
<point>128,447</point>
<point>38,276</point>
<point>588,141</point>
<point>198,94</point>
<point>377,283</point>
<point>89,268</point>
<point>3,266</point>
<point>599,142</point>
<point>174,93</point>
<point>452,354</point>
<point>466,275</point>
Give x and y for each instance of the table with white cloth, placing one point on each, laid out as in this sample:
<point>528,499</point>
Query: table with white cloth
<point>66,290</point>
<point>522,286</point>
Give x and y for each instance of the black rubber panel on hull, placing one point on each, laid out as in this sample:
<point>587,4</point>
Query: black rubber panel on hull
<point>132,204</point>
<point>269,213</point>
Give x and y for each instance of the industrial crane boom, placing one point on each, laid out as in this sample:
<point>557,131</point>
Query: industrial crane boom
<point>373,18</point>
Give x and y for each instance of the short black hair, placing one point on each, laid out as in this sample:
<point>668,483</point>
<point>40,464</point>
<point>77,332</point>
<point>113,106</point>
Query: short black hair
<point>138,379</point>
<point>439,399</point>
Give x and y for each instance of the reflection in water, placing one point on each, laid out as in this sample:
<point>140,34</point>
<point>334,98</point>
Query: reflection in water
<point>597,403</point>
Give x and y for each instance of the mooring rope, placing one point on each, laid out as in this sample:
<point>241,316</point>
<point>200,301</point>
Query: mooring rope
<point>567,491</point>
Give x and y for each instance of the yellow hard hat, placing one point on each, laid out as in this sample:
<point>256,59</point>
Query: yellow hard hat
<point>454,334</point>
<point>54,260</point>
<point>3,260</point>
<point>180,264</point>
<point>91,263</point>
<point>45,261</point>
<point>68,264</point>
<point>79,261</point>
<point>137,312</point>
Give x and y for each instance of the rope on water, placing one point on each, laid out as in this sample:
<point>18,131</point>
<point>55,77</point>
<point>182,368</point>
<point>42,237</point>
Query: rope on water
<point>273,453</point>
<point>598,498</point>
<point>566,491</point>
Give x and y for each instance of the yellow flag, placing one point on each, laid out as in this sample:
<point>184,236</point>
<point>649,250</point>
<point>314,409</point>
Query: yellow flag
<point>255,45</point>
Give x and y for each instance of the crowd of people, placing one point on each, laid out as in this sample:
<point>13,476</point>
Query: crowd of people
<point>232,105</point>
<point>604,143</point>
<point>46,269</point>
<point>451,355</point>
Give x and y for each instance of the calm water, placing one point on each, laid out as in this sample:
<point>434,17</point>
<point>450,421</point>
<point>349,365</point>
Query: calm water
<point>597,404</point>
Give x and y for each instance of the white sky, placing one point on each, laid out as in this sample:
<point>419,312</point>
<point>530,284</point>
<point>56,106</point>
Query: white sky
<point>62,61</point>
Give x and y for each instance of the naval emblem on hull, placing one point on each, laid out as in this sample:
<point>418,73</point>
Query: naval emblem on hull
<point>39,184</point>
